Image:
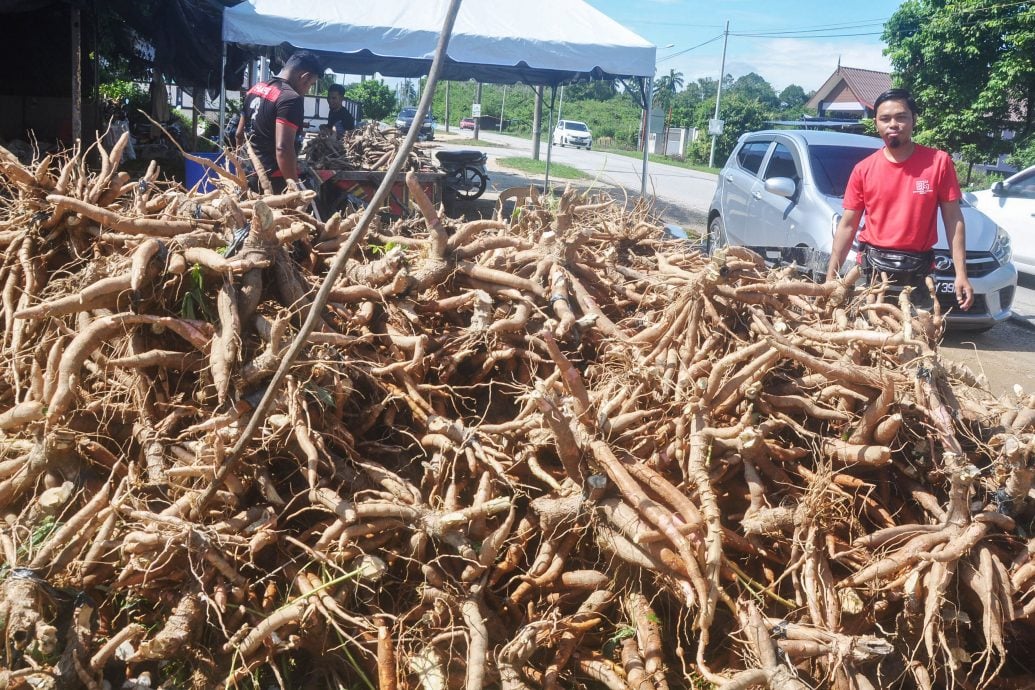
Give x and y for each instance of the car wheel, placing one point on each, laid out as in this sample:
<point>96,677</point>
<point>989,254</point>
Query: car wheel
<point>716,238</point>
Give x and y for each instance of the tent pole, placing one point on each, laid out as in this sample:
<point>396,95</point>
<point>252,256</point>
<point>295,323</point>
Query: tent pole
<point>647,98</point>
<point>222,98</point>
<point>549,136</point>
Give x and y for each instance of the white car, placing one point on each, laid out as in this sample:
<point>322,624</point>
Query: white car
<point>781,191</point>
<point>572,133</point>
<point>1011,204</point>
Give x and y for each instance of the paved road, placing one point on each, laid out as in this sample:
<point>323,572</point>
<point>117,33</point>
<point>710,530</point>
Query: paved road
<point>682,196</point>
<point>1006,353</point>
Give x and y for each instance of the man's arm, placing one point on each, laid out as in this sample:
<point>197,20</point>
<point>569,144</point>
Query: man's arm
<point>956,234</point>
<point>239,135</point>
<point>287,159</point>
<point>843,237</point>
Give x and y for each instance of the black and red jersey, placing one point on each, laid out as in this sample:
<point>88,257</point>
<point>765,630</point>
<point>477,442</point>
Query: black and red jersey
<point>266,104</point>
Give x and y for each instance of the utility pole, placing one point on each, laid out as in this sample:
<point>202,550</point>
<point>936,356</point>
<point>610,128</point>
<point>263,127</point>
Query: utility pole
<point>718,92</point>
<point>447,107</point>
<point>478,118</point>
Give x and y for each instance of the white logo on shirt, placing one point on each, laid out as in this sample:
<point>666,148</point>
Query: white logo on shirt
<point>922,187</point>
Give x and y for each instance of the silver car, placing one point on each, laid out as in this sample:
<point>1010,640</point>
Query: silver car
<point>781,193</point>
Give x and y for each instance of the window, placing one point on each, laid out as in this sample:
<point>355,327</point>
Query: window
<point>781,164</point>
<point>1023,188</point>
<point>751,155</point>
<point>832,165</point>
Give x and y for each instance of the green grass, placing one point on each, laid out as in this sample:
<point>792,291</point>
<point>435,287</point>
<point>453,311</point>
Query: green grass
<point>528,165</point>
<point>655,158</point>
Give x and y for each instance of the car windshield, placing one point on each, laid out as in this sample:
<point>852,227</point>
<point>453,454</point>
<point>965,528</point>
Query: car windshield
<point>577,126</point>
<point>407,112</point>
<point>832,165</point>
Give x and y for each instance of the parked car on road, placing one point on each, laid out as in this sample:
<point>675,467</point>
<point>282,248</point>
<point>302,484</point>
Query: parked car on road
<point>781,194</point>
<point>404,120</point>
<point>467,123</point>
<point>572,133</point>
<point>1011,204</point>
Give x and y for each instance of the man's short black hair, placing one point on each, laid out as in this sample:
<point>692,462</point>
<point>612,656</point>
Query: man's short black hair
<point>896,95</point>
<point>336,88</point>
<point>304,61</point>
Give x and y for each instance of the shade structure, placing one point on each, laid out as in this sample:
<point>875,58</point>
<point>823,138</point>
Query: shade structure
<point>539,42</point>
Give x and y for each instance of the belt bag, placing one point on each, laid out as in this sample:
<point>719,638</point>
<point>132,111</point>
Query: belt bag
<point>898,264</point>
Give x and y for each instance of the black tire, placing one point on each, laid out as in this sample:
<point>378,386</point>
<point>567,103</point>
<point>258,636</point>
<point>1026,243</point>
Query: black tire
<point>469,183</point>
<point>716,237</point>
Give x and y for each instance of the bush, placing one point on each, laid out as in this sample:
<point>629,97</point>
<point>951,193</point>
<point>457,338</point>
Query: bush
<point>130,95</point>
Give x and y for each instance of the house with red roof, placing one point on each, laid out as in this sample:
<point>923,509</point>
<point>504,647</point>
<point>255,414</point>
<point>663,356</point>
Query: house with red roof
<point>849,93</point>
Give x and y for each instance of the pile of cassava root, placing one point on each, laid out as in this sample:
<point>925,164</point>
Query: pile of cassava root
<point>549,451</point>
<point>365,148</point>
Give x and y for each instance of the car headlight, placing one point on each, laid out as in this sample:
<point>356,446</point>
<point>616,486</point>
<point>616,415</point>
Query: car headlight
<point>1001,249</point>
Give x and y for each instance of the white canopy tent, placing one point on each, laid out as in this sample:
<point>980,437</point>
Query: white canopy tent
<point>537,42</point>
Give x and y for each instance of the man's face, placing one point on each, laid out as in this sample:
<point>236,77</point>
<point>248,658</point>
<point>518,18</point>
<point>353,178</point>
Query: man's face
<point>334,100</point>
<point>894,122</point>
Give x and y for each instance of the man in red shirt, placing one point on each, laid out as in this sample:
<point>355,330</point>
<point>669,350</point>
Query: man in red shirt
<point>272,116</point>
<point>901,188</point>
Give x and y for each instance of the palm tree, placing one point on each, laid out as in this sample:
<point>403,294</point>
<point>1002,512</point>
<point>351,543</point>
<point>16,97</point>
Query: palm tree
<point>666,87</point>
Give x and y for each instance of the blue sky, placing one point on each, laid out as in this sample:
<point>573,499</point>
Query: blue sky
<point>800,41</point>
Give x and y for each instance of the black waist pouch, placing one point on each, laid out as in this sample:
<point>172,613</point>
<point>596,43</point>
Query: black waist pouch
<point>901,266</point>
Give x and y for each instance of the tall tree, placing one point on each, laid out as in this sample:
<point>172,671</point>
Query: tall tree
<point>793,97</point>
<point>666,87</point>
<point>971,66</point>
<point>754,87</point>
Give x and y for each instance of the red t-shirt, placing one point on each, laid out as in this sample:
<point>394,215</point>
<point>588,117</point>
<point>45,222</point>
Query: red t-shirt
<point>901,200</point>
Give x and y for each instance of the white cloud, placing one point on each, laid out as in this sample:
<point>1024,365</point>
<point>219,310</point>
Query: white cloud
<point>783,62</point>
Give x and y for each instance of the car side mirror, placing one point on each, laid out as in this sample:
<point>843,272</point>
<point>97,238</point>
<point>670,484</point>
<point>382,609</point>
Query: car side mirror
<point>781,186</point>
<point>999,189</point>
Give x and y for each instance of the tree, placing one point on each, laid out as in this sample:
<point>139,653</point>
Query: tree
<point>740,115</point>
<point>666,87</point>
<point>601,90</point>
<point>407,92</point>
<point>793,97</point>
<point>754,87</point>
<point>377,100</point>
<point>969,65</point>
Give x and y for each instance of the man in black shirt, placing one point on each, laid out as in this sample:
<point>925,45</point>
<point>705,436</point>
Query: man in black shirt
<point>272,116</point>
<point>339,118</point>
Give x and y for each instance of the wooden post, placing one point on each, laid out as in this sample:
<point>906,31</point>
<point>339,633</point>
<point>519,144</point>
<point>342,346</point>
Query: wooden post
<point>537,122</point>
<point>447,107</point>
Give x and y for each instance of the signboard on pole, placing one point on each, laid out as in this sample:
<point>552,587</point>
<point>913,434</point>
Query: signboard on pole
<point>715,126</point>
<point>476,110</point>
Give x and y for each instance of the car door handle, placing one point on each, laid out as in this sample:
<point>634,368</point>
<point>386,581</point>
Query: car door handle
<point>729,178</point>
<point>757,195</point>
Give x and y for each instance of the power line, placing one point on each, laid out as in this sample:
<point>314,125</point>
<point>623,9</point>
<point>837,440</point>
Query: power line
<point>687,50</point>
<point>790,35</point>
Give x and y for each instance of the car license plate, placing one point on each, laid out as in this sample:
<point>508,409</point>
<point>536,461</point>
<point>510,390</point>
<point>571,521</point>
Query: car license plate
<point>945,288</point>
